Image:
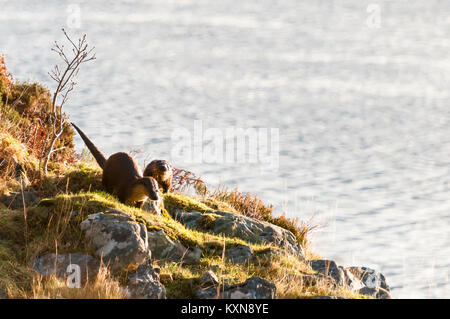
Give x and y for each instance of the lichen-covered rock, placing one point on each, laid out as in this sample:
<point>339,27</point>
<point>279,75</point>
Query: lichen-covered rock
<point>14,200</point>
<point>369,277</point>
<point>64,265</point>
<point>246,228</point>
<point>117,238</point>
<point>252,288</point>
<point>163,247</point>
<point>145,284</point>
<point>238,254</point>
<point>331,269</point>
<point>363,280</point>
<point>209,279</point>
<point>153,207</point>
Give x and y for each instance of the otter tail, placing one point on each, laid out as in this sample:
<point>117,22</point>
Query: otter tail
<point>99,157</point>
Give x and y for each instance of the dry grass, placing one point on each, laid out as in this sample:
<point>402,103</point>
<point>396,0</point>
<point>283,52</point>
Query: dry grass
<point>292,277</point>
<point>24,114</point>
<point>184,180</point>
<point>252,206</point>
<point>103,287</point>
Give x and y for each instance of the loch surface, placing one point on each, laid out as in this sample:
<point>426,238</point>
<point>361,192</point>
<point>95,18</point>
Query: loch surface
<point>359,96</point>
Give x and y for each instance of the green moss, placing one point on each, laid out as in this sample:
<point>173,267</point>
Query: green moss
<point>173,202</point>
<point>218,205</point>
<point>83,177</point>
<point>208,221</point>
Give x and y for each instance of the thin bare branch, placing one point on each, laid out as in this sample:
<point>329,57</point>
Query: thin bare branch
<point>65,85</point>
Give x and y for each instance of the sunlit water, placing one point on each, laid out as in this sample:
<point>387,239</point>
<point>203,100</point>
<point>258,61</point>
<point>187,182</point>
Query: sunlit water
<point>362,112</point>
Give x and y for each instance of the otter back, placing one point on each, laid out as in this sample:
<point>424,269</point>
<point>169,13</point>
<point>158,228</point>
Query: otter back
<point>119,173</point>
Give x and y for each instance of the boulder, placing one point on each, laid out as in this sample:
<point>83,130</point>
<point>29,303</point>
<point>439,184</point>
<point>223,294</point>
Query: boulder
<point>252,288</point>
<point>238,254</point>
<point>363,280</point>
<point>246,228</point>
<point>145,284</point>
<point>63,265</point>
<point>15,201</point>
<point>331,269</point>
<point>153,207</point>
<point>163,247</point>
<point>117,238</point>
<point>369,277</point>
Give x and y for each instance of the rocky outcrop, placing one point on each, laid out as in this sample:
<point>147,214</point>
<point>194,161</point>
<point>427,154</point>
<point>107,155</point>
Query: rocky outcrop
<point>117,238</point>
<point>145,284</point>
<point>252,288</point>
<point>153,207</point>
<point>64,265</point>
<point>243,227</point>
<point>238,254</point>
<point>369,277</point>
<point>14,200</point>
<point>363,280</point>
<point>163,247</point>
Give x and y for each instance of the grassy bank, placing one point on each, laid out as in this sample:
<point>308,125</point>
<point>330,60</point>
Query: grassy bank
<point>73,185</point>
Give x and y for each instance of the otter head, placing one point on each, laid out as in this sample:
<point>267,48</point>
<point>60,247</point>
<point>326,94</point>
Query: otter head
<point>164,168</point>
<point>163,165</point>
<point>147,187</point>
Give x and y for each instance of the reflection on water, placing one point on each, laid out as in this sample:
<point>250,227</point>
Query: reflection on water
<point>362,113</point>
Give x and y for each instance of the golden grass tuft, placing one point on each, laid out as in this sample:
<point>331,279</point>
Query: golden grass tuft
<point>252,206</point>
<point>103,287</point>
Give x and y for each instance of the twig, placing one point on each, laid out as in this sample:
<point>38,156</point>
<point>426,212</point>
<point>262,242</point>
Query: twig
<point>65,84</point>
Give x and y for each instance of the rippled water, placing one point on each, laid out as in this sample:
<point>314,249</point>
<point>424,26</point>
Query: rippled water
<point>363,113</point>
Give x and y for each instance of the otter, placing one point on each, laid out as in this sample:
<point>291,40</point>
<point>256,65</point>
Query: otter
<point>122,176</point>
<point>162,171</point>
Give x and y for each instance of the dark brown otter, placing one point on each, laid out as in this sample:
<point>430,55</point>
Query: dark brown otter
<point>162,171</point>
<point>122,176</point>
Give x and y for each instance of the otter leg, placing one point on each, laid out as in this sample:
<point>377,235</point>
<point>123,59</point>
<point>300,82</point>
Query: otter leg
<point>139,204</point>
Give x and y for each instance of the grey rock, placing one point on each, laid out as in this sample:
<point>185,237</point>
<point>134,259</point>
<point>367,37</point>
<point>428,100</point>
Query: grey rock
<point>351,280</point>
<point>163,247</point>
<point>117,238</point>
<point>378,293</point>
<point>369,277</point>
<point>246,228</point>
<point>14,200</point>
<point>252,288</point>
<point>58,265</point>
<point>209,279</point>
<point>153,207</point>
<point>145,284</point>
<point>329,268</point>
<point>364,280</point>
<point>238,254</point>
<point>270,253</point>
